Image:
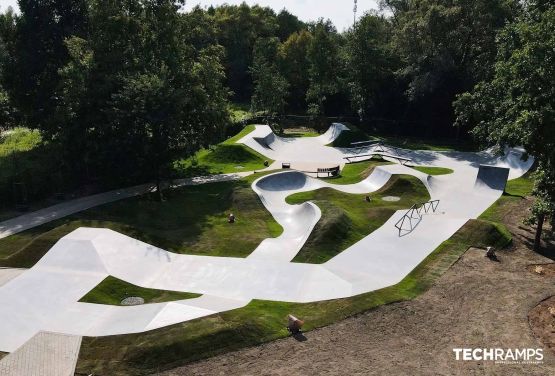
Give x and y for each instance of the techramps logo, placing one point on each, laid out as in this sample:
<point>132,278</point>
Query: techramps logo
<point>500,356</point>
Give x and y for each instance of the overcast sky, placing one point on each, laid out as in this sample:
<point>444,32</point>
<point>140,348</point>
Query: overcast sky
<point>339,11</point>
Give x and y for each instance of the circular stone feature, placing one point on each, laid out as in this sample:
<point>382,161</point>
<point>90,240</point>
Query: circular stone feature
<point>132,300</point>
<point>391,198</point>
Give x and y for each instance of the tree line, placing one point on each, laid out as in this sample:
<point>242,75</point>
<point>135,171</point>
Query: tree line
<point>119,89</point>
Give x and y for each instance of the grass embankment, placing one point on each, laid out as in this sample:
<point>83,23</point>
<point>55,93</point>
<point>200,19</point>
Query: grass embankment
<point>193,220</point>
<point>348,218</point>
<point>433,170</point>
<point>112,291</point>
<point>227,157</point>
<point>515,191</point>
<point>299,133</point>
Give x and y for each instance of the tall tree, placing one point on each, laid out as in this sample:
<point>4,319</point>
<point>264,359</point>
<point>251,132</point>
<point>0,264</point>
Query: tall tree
<point>238,29</point>
<point>517,106</point>
<point>39,52</point>
<point>324,73</point>
<point>270,87</point>
<point>370,64</point>
<point>447,47</point>
<point>294,65</point>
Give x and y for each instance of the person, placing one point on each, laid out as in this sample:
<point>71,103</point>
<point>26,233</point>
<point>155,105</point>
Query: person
<point>367,199</point>
<point>231,218</point>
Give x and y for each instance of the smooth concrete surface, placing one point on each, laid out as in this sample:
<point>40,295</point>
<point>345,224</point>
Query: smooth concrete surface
<point>45,298</point>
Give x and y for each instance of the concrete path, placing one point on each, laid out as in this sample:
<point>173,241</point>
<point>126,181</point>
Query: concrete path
<point>46,297</point>
<point>46,354</point>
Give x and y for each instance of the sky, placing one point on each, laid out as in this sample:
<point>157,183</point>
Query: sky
<point>339,11</point>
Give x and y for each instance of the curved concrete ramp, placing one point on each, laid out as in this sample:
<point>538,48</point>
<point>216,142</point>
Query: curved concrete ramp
<point>491,177</point>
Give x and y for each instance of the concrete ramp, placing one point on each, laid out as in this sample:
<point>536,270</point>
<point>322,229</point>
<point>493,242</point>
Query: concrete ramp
<point>493,178</point>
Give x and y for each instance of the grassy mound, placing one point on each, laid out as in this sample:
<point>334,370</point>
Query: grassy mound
<point>348,218</point>
<point>193,220</point>
<point>356,172</point>
<point>112,291</point>
<point>227,157</point>
<point>434,170</point>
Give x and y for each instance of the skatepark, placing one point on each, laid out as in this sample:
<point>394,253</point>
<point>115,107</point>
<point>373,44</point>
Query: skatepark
<point>46,297</point>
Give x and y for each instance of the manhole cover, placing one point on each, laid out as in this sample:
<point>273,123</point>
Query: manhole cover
<point>391,198</point>
<point>132,300</point>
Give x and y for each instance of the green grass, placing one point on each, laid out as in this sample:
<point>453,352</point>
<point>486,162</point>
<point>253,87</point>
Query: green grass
<point>227,157</point>
<point>112,291</point>
<point>299,133</point>
<point>348,218</point>
<point>356,172</point>
<point>193,220</point>
<point>515,191</point>
<point>263,321</point>
<point>433,170</point>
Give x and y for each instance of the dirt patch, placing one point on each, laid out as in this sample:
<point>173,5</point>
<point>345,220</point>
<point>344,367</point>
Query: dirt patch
<point>542,322</point>
<point>476,304</point>
<point>544,270</point>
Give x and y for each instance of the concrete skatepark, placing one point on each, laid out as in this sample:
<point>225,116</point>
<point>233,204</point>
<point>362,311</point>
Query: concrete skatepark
<point>45,297</point>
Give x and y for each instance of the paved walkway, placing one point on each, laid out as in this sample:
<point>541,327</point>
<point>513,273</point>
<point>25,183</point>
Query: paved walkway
<point>46,354</point>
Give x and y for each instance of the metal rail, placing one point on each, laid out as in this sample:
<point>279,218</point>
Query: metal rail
<point>414,215</point>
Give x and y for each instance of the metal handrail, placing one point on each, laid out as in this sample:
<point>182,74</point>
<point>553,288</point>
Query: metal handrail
<point>414,215</point>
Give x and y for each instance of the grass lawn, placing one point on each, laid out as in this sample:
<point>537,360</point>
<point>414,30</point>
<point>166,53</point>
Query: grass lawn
<point>515,191</point>
<point>263,321</point>
<point>112,291</point>
<point>193,220</point>
<point>434,170</point>
<point>348,218</point>
<point>356,172</point>
<point>299,132</point>
<point>227,157</point>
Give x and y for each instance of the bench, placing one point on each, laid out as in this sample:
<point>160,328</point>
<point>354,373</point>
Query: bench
<point>333,171</point>
<point>286,165</point>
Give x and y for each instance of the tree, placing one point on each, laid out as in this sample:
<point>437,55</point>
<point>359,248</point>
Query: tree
<point>38,53</point>
<point>142,90</point>
<point>288,24</point>
<point>370,64</point>
<point>294,65</point>
<point>517,106</point>
<point>238,29</point>
<point>270,87</point>
<point>446,48</point>
<point>323,57</point>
